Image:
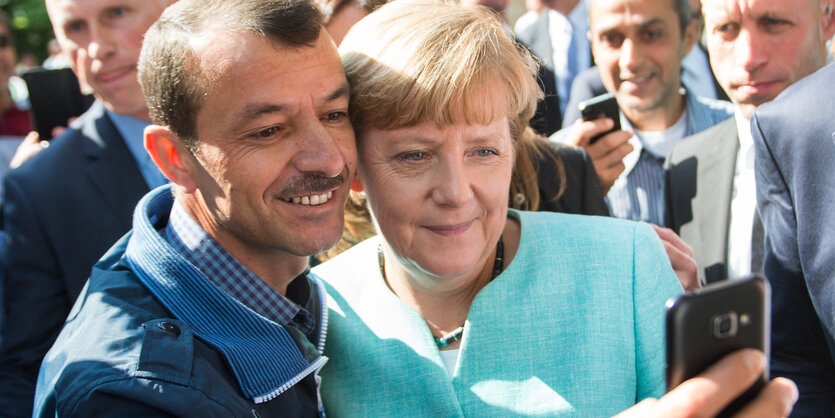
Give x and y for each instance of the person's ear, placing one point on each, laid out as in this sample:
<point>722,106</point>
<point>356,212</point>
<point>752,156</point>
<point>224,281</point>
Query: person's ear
<point>171,155</point>
<point>828,19</point>
<point>356,185</point>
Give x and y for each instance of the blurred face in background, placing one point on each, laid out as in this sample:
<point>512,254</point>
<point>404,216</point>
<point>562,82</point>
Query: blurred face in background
<point>759,47</point>
<point>102,39</point>
<point>7,55</point>
<point>639,45</point>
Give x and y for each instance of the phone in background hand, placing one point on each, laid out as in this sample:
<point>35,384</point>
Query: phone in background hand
<point>704,325</point>
<point>55,97</point>
<point>603,106</point>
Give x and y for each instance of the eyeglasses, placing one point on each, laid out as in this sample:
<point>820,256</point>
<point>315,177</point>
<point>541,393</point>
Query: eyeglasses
<point>5,41</point>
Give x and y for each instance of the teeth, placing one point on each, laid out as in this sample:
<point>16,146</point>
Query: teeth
<point>313,200</point>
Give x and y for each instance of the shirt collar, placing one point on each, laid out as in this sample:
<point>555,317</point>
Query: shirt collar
<point>228,274</point>
<point>265,358</point>
<point>131,129</point>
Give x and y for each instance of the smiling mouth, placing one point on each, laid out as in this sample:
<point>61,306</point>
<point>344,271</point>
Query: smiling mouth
<point>636,79</point>
<point>311,200</point>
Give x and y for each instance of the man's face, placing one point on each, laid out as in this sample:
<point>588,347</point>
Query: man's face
<point>7,55</point>
<point>275,151</point>
<point>638,45</point>
<point>759,47</point>
<point>103,39</point>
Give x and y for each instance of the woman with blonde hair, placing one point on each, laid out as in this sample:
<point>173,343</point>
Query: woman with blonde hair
<point>463,307</point>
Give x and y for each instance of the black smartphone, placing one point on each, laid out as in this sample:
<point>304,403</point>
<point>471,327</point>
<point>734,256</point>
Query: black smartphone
<point>704,325</point>
<point>603,106</point>
<point>55,97</point>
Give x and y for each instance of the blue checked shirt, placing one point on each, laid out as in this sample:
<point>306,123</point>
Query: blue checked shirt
<point>228,274</point>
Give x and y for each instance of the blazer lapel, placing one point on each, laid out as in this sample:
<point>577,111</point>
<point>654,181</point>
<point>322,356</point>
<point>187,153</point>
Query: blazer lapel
<point>111,169</point>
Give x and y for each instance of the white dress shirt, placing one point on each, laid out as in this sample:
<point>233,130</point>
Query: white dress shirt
<point>743,202</point>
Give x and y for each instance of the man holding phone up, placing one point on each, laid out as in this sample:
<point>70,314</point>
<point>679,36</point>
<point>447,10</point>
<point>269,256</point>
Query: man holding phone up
<point>638,46</point>
<point>67,205</point>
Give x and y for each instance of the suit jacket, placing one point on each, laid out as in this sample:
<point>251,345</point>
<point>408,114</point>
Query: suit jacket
<point>794,144</point>
<point>701,215</point>
<point>582,193</point>
<point>63,209</point>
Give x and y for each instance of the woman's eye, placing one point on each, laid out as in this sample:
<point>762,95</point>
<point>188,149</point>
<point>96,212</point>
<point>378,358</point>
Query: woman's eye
<point>486,152</point>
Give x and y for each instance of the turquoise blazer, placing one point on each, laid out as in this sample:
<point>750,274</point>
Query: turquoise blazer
<point>574,326</point>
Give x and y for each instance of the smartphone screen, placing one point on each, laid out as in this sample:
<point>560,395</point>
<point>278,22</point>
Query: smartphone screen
<point>55,97</point>
<point>603,106</point>
<point>706,324</point>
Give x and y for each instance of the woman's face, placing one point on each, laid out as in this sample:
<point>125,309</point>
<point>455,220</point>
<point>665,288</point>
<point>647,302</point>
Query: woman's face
<point>439,195</point>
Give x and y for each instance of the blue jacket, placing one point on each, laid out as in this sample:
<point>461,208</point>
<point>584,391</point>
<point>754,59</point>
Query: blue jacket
<point>150,336</point>
<point>63,209</point>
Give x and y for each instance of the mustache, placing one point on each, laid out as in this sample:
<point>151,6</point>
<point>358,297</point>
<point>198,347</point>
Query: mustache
<point>310,184</point>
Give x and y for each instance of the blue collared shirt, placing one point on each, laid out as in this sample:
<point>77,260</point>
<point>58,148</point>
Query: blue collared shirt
<point>232,277</point>
<point>132,130</point>
<point>638,193</point>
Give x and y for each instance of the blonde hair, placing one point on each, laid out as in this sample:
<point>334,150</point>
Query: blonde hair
<point>413,61</point>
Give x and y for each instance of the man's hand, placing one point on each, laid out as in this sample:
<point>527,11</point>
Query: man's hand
<point>681,257</point>
<point>707,394</point>
<point>27,149</point>
<point>607,152</point>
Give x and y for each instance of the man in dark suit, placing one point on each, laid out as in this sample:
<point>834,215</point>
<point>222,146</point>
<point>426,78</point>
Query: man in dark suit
<point>66,206</point>
<point>794,139</point>
<point>710,176</point>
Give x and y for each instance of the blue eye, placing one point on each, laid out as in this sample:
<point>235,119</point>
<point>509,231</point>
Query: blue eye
<point>413,155</point>
<point>486,152</point>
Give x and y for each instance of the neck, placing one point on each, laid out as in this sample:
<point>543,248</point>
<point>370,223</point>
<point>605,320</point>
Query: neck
<point>276,268</point>
<point>659,118</point>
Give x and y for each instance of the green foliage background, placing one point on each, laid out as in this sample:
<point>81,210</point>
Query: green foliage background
<point>30,25</point>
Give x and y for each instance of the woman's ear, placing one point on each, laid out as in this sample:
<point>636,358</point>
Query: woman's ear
<point>356,185</point>
<point>170,154</point>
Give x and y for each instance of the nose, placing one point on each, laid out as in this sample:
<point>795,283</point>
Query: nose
<point>101,44</point>
<point>630,55</point>
<point>750,53</point>
<point>322,151</point>
<point>452,182</point>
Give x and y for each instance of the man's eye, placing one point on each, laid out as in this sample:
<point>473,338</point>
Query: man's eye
<point>413,155</point>
<point>266,133</point>
<point>613,41</point>
<point>336,116</point>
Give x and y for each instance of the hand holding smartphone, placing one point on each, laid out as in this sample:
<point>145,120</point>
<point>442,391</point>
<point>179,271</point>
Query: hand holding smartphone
<point>603,106</point>
<point>706,324</point>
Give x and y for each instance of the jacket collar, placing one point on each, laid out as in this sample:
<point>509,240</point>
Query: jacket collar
<point>263,356</point>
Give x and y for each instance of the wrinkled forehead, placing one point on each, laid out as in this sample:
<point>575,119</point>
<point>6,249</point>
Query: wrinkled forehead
<point>757,8</point>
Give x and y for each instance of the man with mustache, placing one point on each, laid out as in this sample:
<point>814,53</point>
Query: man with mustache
<point>207,306</point>
<point>65,207</point>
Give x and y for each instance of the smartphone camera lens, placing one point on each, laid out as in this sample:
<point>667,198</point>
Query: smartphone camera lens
<point>725,325</point>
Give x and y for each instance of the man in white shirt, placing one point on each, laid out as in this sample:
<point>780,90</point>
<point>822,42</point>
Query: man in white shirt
<point>639,48</point>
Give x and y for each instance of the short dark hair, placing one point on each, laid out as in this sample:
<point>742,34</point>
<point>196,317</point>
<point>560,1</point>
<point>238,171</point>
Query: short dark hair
<point>172,79</point>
